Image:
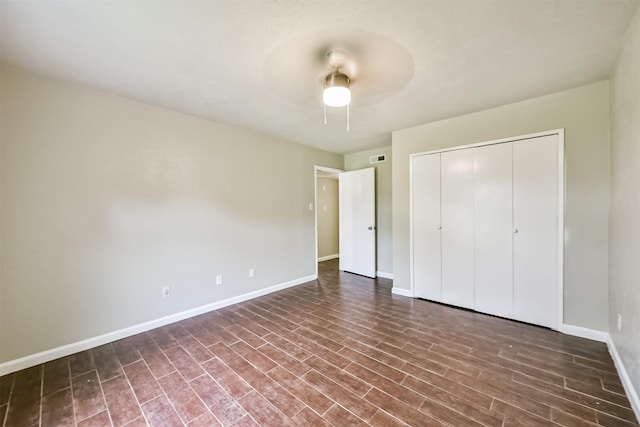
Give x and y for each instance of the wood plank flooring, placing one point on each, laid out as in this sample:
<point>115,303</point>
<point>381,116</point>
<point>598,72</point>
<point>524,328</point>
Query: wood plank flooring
<point>339,351</point>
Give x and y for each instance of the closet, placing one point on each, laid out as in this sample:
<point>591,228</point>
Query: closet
<point>486,227</point>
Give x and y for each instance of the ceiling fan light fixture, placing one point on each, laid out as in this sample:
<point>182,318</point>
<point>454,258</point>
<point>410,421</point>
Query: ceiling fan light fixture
<point>336,92</point>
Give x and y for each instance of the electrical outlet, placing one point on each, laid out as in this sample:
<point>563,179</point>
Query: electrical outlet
<point>219,279</point>
<point>166,291</point>
<point>619,322</point>
<point>252,272</point>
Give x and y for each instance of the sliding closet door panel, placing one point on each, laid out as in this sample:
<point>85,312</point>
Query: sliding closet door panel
<point>425,199</point>
<point>535,240</point>
<point>494,230</point>
<point>457,227</point>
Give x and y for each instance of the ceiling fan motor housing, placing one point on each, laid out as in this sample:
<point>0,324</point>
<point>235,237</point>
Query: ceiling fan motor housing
<point>337,78</point>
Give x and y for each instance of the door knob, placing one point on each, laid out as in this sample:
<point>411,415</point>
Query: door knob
<point>515,230</point>
<point>439,227</point>
<point>371,227</point>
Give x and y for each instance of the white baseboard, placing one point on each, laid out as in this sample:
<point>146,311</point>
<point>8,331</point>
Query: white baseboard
<point>402,292</point>
<point>632,394</point>
<point>65,350</point>
<point>605,337</point>
<point>579,331</point>
<point>384,275</point>
<point>328,257</point>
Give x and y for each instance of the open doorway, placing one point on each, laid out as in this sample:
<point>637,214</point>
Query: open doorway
<point>326,214</point>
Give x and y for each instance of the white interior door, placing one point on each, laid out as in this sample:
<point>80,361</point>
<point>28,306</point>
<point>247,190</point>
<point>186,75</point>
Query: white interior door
<point>535,240</point>
<point>457,228</point>
<point>357,222</point>
<point>494,230</point>
<point>425,201</point>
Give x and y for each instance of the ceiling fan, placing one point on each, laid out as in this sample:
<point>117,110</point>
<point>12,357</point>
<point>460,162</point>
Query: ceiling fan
<point>337,84</point>
<point>338,60</point>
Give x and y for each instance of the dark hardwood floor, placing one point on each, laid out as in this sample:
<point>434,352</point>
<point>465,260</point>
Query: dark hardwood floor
<point>339,351</point>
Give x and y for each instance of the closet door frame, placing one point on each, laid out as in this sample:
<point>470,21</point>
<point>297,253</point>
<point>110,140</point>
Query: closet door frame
<point>561,208</point>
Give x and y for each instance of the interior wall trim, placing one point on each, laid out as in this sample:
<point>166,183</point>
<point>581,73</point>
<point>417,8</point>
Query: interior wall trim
<point>65,350</point>
<point>579,331</point>
<point>402,292</point>
<point>384,275</point>
<point>328,257</point>
<point>605,337</point>
<point>632,394</point>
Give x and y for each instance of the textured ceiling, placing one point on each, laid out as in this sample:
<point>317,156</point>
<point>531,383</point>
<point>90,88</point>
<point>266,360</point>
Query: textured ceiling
<point>259,64</point>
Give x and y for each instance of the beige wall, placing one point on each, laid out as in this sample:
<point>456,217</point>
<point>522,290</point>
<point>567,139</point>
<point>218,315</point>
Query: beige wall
<point>328,224</point>
<point>583,113</point>
<point>624,224</point>
<point>106,200</point>
<point>384,232</point>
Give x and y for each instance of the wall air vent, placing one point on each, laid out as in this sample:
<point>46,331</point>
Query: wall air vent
<point>378,158</point>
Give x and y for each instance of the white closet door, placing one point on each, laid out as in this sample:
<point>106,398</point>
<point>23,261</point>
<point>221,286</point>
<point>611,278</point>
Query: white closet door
<point>494,230</point>
<point>535,240</point>
<point>425,199</point>
<point>457,227</point>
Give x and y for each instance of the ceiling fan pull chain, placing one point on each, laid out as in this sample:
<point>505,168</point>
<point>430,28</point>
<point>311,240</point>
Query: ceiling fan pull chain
<point>347,117</point>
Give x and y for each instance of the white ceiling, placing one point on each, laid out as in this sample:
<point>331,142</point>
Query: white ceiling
<point>259,64</point>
